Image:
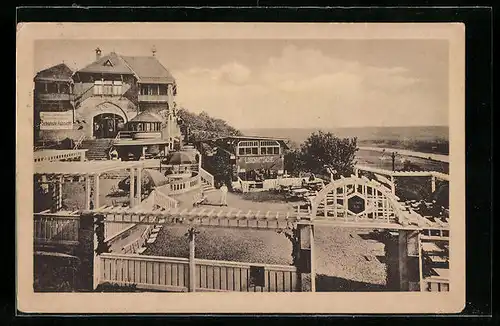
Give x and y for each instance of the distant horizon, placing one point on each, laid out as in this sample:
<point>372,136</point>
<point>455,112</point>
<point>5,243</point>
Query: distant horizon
<point>353,127</point>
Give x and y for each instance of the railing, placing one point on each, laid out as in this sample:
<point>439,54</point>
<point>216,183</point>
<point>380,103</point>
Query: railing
<point>164,201</point>
<point>124,134</point>
<point>56,229</point>
<point>79,142</point>
<point>172,274</point>
<point>84,95</point>
<point>180,186</point>
<point>152,98</point>
<point>181,167</point>
<point>432,284</point>
<point>55,97</point>
<point>58,155</point>
<point>206,177</point>
<point>135,245</point>
<point>115,229</point>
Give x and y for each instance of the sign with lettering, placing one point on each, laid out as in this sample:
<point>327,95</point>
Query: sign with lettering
<point>273,162</point>
<point>260,159</point>
<point>56,120</point>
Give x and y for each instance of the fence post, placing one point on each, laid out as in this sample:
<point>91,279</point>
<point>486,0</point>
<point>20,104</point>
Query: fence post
<point>132,188</point>
<point>139,186</point>
<point>408,260</point>
<point>85,252</point>
<point>305,259</point>
<point>192,266</point>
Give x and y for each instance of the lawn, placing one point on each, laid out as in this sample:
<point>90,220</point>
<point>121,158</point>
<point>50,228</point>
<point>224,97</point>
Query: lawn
<point>346,259</point>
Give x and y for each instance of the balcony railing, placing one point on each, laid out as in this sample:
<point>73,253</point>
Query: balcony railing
<point>55,97</point>
<point>153,98</point>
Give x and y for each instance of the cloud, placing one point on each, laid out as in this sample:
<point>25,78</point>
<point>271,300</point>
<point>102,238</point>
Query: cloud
<point>305,87</point>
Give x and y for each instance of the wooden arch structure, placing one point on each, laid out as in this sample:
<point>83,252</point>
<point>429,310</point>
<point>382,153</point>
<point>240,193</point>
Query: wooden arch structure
<point>356,199</point>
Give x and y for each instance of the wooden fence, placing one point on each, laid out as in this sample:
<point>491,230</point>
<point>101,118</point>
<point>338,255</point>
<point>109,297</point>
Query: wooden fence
<point>56,229</point>
<point>172,274</point>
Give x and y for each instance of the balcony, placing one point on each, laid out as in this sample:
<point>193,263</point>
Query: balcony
<point>54,97</point>
<point>153,98</point>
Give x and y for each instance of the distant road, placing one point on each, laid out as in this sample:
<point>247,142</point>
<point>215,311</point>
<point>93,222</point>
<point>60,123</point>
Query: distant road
<point>434,157</point>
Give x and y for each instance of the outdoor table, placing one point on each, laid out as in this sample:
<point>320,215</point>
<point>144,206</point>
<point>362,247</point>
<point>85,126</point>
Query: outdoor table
<point>300,191</point>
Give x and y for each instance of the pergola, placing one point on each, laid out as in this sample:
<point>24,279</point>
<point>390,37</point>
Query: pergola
<point>56,173</point>
<point>433,174</point>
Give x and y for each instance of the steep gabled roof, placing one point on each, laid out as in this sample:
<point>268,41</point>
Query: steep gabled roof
<point>60,72</point>
<point>111,63</point>
<point>149,70</point>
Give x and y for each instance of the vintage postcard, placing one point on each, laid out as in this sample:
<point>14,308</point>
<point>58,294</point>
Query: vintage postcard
<point>240,168</point>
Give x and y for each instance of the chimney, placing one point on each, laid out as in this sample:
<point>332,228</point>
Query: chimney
<point>153,50</point>
<point>97,54</point>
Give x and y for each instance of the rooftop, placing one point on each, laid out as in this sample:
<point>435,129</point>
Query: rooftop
<point>111,63</point>
<point>60,72</point>
<point>147,69</point>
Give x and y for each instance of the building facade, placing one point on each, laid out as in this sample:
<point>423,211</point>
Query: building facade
<point>99,100</point>
<point>252,157</point>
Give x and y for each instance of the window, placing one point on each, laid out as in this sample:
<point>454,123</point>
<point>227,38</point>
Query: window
<point>64,88</point>
<point>98,87</point>
<point>52,88</point>
<point>269,147</point>
<point>163,90</point>
<point>108,87</point>
<point>41,87</point>
<point>117,87</point>
<point>248,148</point>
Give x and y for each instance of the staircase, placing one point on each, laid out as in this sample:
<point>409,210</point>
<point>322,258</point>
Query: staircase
<point>207,187</point>
<point>207,180</point>
<point>97,148</point>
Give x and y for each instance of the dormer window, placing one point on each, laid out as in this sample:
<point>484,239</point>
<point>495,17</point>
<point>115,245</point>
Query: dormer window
<point>108,64</point>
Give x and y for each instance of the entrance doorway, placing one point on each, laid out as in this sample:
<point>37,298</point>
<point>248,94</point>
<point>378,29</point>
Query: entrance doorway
<point>107,125</point>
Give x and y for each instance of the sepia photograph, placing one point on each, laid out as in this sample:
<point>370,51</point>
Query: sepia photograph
<point>176,161</point>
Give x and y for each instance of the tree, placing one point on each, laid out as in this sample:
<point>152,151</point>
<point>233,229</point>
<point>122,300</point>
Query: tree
<point>322,149</point>
<point>220,166</point>
<point>202,126</point>
<point>293,161</point>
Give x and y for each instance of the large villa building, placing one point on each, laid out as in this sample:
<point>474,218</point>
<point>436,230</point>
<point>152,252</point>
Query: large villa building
<point>128,100</point>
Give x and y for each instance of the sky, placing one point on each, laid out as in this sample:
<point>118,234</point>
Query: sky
<point>324,83</point>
